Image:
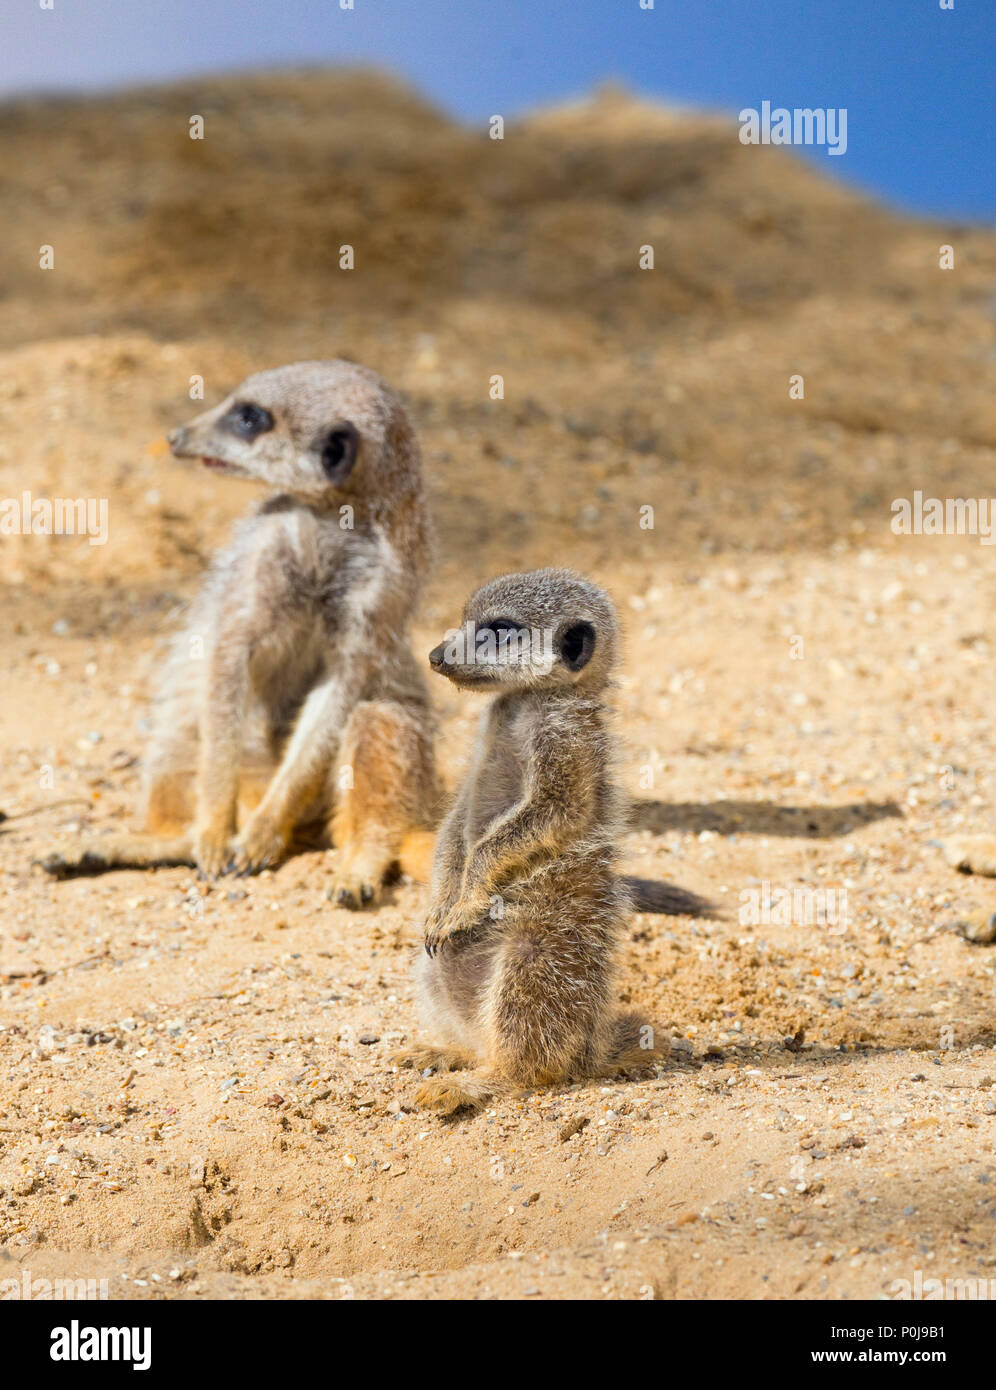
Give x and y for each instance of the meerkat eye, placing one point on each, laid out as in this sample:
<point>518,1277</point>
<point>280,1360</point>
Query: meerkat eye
<point>247,420</point>
<point>502,640</point>
<point>338,452</point>
<point>576,644</point>
<point>505,632</point>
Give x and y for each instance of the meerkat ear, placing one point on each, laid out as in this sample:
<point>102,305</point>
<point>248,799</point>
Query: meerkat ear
<point>575,645</point>
<point>337,449</point>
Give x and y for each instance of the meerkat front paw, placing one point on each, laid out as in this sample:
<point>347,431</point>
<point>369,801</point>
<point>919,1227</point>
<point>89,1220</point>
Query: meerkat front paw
<point>447,922</point>
<point>444,924</point>
<point>213,853</point>
<point>258,846</point>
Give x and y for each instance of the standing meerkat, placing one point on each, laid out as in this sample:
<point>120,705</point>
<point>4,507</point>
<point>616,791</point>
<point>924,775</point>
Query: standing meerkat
<point>291,695</point>
<point>518,975</point>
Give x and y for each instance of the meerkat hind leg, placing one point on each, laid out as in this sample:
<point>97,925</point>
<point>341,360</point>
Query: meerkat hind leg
<point>532,1036</point>
<point>387,756</point>
<point>169,803</point>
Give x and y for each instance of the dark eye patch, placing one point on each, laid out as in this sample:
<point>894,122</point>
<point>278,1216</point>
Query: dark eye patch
<point>505,631</point>
<point>338,449</point>
<point>575,645</point>
<point>246,420</point>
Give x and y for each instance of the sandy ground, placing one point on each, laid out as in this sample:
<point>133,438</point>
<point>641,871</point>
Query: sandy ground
<point>194,1094</point>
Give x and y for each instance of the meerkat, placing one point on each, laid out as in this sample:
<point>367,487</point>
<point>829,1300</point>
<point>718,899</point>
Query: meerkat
<point>291,695</point>
<point>517,979</point>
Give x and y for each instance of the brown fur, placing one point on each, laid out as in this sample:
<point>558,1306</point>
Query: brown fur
<point>518,972</point>
<point>294,664</point>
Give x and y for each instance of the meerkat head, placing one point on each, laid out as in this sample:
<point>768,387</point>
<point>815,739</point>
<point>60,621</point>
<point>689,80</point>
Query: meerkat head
<point>310,429</point>
<point>545,628</point>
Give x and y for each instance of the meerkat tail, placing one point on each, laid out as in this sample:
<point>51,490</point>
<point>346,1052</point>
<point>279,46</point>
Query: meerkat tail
<point>120,852</point>
<point>415,856</point>
<point>650,895</point>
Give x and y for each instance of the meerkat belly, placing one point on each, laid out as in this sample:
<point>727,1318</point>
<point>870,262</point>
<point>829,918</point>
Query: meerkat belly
<point>451,993</point>
<point>283,669</point>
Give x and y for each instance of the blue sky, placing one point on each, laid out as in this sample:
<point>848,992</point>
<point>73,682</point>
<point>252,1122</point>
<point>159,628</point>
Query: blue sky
<point>917,81</point>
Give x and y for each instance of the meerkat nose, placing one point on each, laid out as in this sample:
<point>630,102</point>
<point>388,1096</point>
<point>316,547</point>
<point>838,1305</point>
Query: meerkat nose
<point>176,438</point>
<point>437,657</point>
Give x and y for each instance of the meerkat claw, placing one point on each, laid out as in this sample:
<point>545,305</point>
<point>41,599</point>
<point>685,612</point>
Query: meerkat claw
<point>433,941</point>
<point>442,927</point>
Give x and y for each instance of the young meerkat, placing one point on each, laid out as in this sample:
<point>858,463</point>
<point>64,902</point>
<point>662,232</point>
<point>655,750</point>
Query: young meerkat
<point>517,979</point>
<point>291,695</point>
